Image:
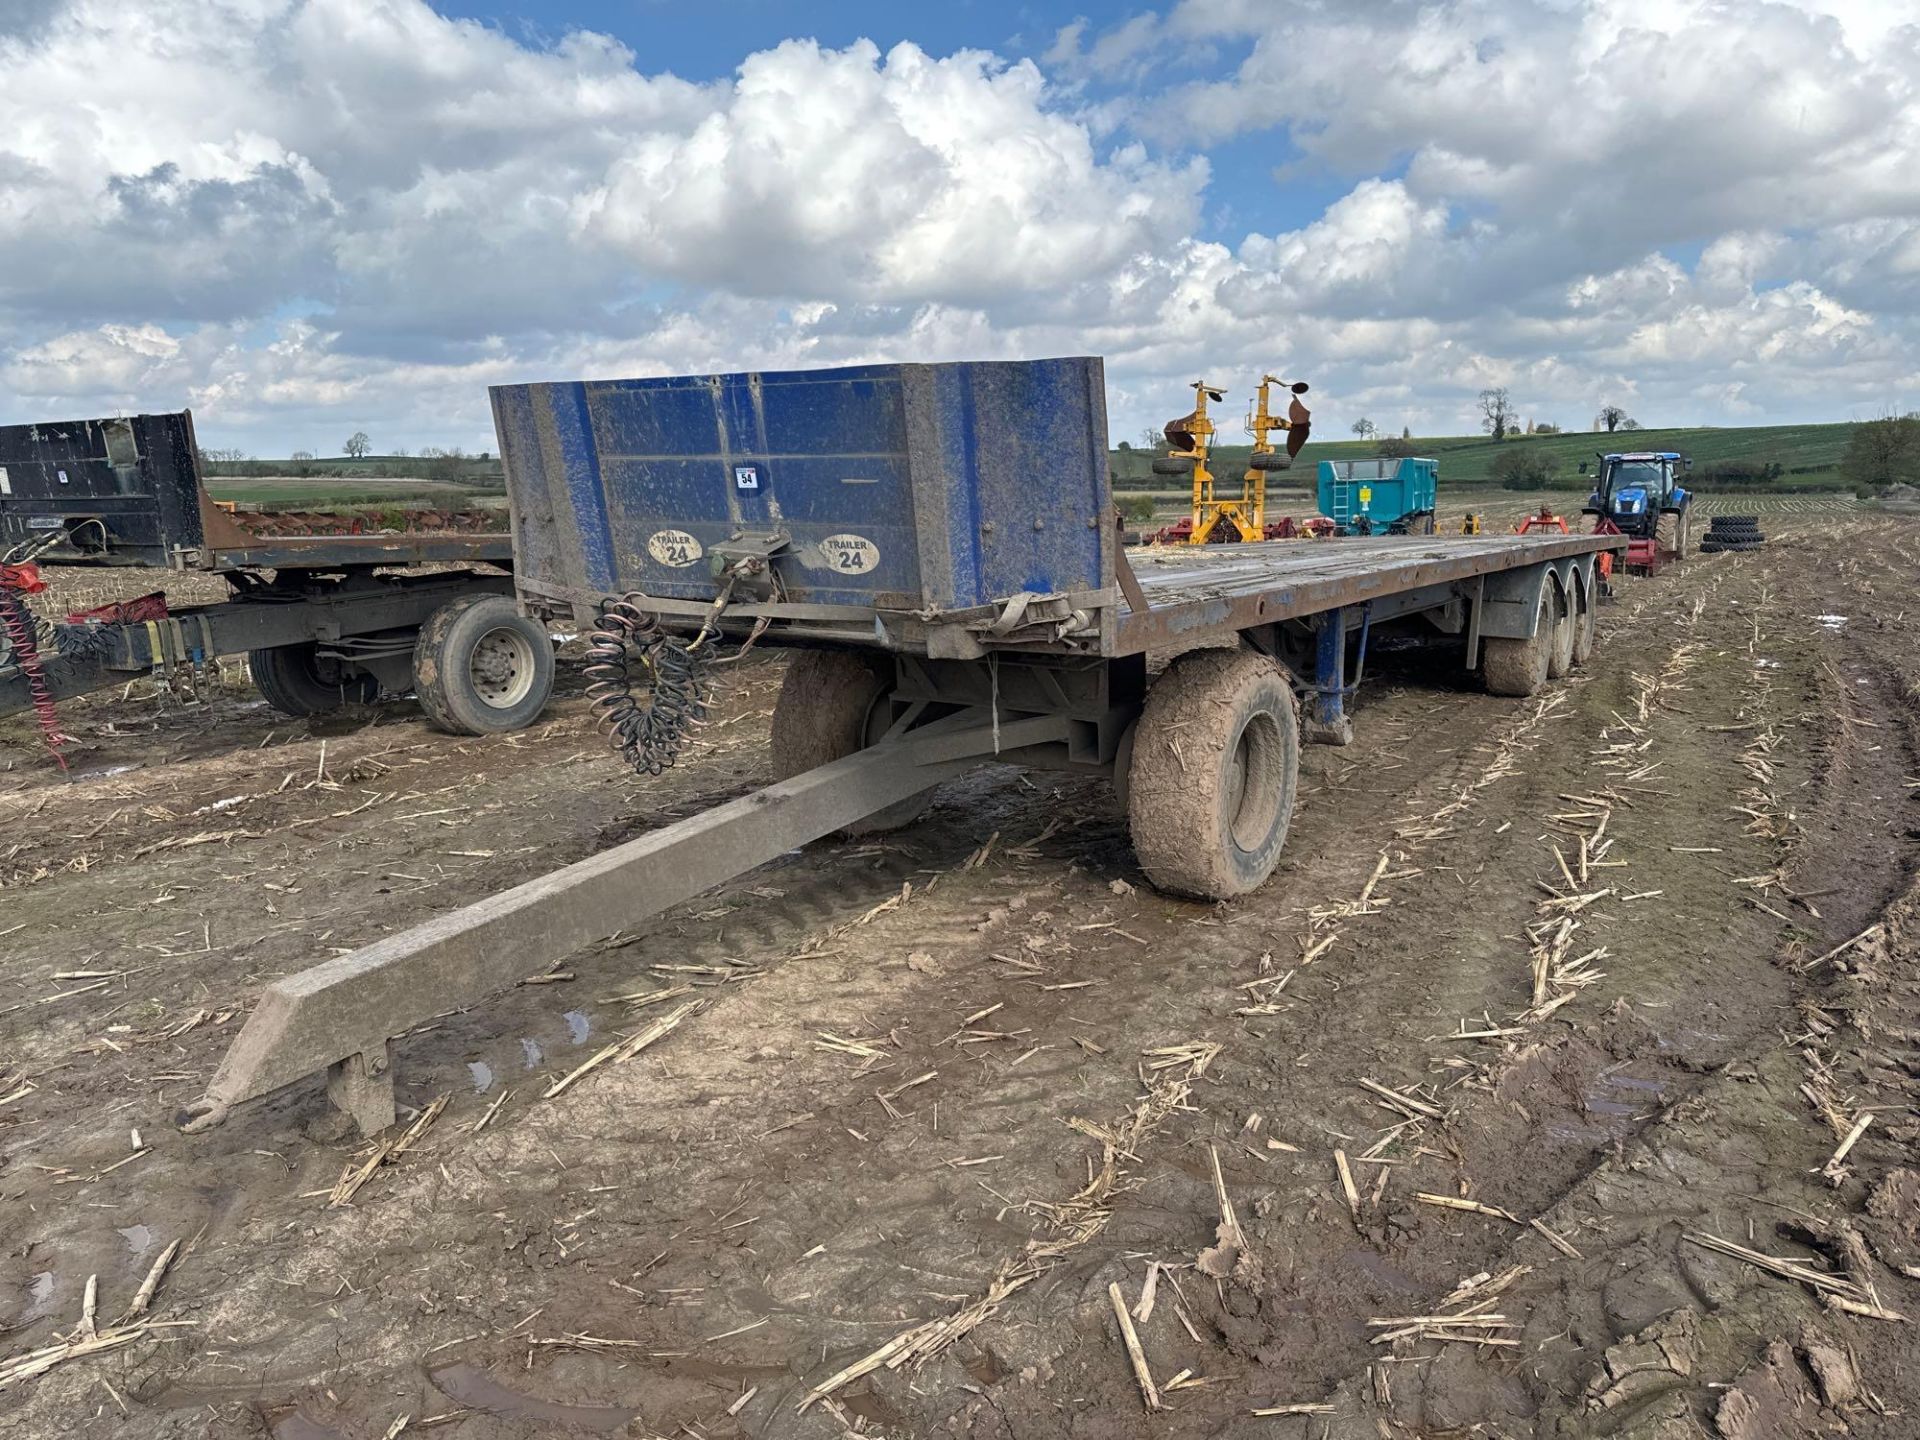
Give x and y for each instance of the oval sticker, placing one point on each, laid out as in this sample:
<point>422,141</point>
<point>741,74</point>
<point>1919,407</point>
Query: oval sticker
<point>850,554</point>
<point>674,547</point>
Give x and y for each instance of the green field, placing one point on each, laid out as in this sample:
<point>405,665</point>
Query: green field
<point>1808,454</point>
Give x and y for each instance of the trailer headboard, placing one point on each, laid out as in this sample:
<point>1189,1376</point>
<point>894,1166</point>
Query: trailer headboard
<point>899,487</point>
<point>119,491</point>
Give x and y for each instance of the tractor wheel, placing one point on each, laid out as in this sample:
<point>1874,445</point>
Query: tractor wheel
<point>295,681</point>
<point>1519,667</point>
<point>1173,464</point>
<point>1210,784</point>
<point>1275,460</point>
<point>1670,533</point>
<point>1565,624</point>
<point>1586,624</point>
<point>832,703</point>
<point>480,667</point>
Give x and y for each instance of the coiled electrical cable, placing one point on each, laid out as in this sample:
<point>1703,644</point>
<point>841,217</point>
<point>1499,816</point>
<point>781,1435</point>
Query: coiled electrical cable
<point>649,736</point>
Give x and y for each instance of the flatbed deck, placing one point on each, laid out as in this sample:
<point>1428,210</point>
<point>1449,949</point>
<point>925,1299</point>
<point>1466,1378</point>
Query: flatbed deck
<point>1194,590</point>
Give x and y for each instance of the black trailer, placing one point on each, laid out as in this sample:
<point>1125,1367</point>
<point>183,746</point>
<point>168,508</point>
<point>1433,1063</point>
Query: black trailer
<point>323,619</point>
<point>938,547</point>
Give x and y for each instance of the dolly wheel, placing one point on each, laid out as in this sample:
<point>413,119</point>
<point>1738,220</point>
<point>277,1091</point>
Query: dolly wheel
<point>832,703</point>
<point>480,667</point>
<point>1519,667</point>
<point>296,680</point>
<point>1214,765</point>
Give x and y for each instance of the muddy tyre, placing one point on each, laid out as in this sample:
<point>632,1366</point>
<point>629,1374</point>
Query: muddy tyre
<point>1586,624</point>
<point>1173,464</point>
<point>295,680</point>
<point>1519,667</point>
<point>1214,767</point>
<point>1565,637</point>
<point>480,667</point>
<point>832,703</point>
<point>1670,533</point>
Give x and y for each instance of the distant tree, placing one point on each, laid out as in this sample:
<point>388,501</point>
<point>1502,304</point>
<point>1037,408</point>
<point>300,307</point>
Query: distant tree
<point>1406,432</point>
<point>1125,447</point>
<point>400,452</point>
<point>1544,428</point>
<point>1525,467</point>
<point>1396,447</point>
<point>1496,412</point>
<point>1630,424</point>
<point>1152,439</point>
<point>1884,452</point>
<point>1365,428</point>
<point>1610,418</point>
<point>301,455</point>
<point>444,465</point>
<point>357,444</point>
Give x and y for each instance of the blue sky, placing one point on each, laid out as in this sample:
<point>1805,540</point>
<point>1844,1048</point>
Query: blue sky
<point>308,217</point>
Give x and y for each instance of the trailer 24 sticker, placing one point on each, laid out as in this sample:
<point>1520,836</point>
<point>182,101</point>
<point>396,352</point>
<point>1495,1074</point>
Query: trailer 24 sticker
<point>850,554</point>
<point>674,547</point>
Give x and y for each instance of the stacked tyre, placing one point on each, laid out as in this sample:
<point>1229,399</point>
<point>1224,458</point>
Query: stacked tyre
<point>1732,532</point>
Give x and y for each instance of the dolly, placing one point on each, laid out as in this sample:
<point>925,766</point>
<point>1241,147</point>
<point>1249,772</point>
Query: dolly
<point>936,547</point>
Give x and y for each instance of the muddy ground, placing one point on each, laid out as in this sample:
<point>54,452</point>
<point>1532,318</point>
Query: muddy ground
<point>946,1086</point>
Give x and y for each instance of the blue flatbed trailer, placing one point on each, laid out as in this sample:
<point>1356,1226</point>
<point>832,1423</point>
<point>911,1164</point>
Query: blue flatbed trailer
<point>938,546</point>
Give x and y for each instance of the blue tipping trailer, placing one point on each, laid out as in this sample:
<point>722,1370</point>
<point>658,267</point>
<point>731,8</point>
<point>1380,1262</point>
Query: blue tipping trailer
<point>937,546</point>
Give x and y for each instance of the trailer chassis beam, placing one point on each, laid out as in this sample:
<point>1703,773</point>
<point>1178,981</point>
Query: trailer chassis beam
<point>339,1017</point>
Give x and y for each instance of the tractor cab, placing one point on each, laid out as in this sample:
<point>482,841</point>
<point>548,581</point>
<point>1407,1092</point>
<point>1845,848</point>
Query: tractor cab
<point>1634,490</point>
<point>1639,494</point>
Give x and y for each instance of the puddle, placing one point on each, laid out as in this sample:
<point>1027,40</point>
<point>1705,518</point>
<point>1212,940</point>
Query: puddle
<point>139,1240</point>
<point>39,1295</point>
<point>579,1027</point>
<point>1830,622</point>
<point>108,772</point>
<point>1391,1276</point>
<point>530,1053</point>
<point>482,1074</point>
<point>473,1387</point>
<point>292,1425</point>
<point>1599,1105</point>
<point>1634,1082</point>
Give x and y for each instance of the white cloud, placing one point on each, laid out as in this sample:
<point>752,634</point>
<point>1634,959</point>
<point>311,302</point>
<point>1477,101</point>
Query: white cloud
<point>310,216</point>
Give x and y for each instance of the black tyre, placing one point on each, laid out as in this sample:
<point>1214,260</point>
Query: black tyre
<point>1212,776</point>
<point>832,703</point>
<point>1519,667</point>
<point>1734,522</point>
<point>1586,624</point>
<point>480,667</point>
<point>1560,655</point>
<point>296,680</point>
<point>1276,460</point>
<point>1173,464</point>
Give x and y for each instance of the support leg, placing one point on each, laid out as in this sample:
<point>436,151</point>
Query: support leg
<point>1327,720</point>
<point>362,1086</point>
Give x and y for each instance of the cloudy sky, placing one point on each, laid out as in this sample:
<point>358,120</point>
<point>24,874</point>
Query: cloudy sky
<point>308,217</point>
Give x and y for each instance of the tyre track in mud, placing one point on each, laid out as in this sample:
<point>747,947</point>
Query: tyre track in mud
<point>805,1163</point>
<point>706,1122</point>
<point>1690,1168</point>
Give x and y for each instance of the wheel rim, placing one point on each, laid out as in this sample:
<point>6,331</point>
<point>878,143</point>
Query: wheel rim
<point>1253,783</point>
<point>502,668</point>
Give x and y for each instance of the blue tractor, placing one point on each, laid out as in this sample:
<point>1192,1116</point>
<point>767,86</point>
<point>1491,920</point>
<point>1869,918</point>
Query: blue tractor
<point>1639,495</point>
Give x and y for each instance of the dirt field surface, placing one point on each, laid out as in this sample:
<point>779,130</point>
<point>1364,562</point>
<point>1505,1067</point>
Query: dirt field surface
<point>1510,1106</point>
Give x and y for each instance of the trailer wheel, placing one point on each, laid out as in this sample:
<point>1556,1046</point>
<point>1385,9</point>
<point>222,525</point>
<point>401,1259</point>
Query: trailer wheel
<point>832,703</point>
<point>1210,783</point>
<point>1519,667</point>
<point>295,680</point>
<point>480,667</point>
<point>1173,464</point>
<point>1586,623</point>
<point>1565,628</point>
